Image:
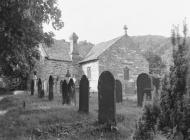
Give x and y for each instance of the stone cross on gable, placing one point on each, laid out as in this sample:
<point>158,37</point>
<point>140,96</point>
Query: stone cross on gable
<point>125,28</point>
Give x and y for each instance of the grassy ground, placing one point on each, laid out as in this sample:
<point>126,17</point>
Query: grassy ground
<point>45,120</point>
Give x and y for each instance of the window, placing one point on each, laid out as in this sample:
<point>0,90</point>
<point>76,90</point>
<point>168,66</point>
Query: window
<point>126,73</point>
<point>89,72</point>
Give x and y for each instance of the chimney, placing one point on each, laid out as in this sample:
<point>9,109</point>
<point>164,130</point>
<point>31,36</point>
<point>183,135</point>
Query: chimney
<point>73,45</point>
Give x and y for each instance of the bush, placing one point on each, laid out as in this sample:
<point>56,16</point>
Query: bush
<point>145,128</point>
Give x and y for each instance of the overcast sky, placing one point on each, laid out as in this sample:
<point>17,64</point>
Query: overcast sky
<point>101,20</point>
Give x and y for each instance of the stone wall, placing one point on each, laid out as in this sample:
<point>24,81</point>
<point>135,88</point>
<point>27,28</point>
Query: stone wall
<point>121,54</point>
<point>56,68</point>
<point>93,81</point>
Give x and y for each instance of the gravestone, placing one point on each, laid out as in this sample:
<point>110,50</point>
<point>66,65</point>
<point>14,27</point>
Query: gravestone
<point>118,90</point>
<point>60,87</point>
<point>39,88</point>
<point>71,89</point>
<point>64,92</point>
<point>143,85</point>
<point>156,92</point>
<point>106,98</point>
<point>42,93</point>
<point>50,88</point>
<point>156,83</point>
<point>32,87</point>
<point>84,95</point>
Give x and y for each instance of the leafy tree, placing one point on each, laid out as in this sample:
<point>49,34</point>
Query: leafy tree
<point>173,108</point>
<point>172,116</point>
<point>155,62</point>
<point>21,31</point>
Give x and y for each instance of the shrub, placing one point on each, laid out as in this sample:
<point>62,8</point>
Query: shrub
<point>145,127</point>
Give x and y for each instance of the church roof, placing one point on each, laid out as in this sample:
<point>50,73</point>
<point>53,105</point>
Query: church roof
<point>60,50</point>
<point>98,49</point>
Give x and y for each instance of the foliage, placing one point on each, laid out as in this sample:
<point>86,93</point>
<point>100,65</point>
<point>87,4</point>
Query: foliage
<point>155,62</point>
<point>145,128</point>
<point>174,115</point>
<point>21,31</point>
<point>166,103</point>
<point>174,110</point>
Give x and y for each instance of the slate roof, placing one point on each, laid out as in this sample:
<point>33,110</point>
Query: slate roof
<point>60,50</point>
<point>98,49</point>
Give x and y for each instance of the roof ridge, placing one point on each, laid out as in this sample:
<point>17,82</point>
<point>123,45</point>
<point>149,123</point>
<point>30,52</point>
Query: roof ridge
<point>95,52</point>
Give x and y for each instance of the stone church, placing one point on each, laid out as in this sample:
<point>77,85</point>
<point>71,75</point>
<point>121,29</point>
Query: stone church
<point>120,56</point>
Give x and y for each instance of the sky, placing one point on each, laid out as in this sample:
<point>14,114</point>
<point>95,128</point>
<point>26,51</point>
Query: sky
<point>101,20</point>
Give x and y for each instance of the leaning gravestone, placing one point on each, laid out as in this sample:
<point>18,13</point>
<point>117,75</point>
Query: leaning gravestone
<point>39,88</point>
<point>71,89</point>
<point>106,98</point>
<point>32,87</point>
<point>84,95</point>
<point>118,89</point>
<point>64,91</point>
<point>50,88</point>
<point>143,83</point>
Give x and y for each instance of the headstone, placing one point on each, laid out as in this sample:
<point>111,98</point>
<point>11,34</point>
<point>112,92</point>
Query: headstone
<point>156,83</point>
<point>39,88</point>
<point>64,92</point>
<point>60,90</point>
<point>42,93</point>
<point>106,98</point>
<point>71,89</point>
<point>118,89</point>
<point>84,95</point>
<point>32,87</point>
<point>143,85</point>
<point>50,88</point>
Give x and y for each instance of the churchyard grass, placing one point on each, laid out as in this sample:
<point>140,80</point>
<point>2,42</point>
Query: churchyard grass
<point>40,119</point>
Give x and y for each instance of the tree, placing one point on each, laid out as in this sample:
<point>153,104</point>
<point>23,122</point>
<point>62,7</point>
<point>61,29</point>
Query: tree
<point>155,62</point>
<point>21,31</point>
<point>174,110</point>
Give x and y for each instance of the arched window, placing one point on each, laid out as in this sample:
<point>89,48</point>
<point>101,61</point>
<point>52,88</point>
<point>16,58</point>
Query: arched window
<point>126,73</point>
